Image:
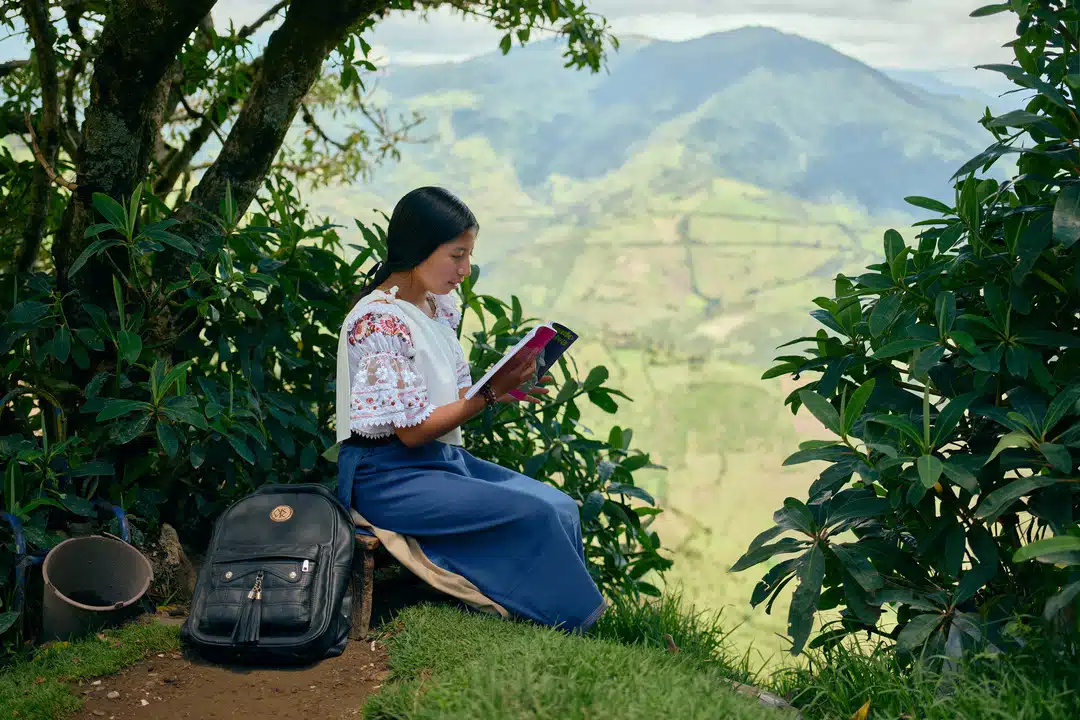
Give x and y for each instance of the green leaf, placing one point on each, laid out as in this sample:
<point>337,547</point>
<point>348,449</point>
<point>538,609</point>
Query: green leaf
<point>603,401</point>
<point>832,453</point>
<point>1067,216</point>
<point>961,476</point>
<point>197,455</point>
<point>240,445</point>
<point>61,345</point>
<point>821,409</point>
<point>853,409</point>
<point>125,431</point>
<point>1058,603</point>
<point>925,360</point>
<point>900,347</point>
<point>804,600</point>
<point>928,204</point>
<point>1010,440</point>
<point>113,211</point>
<point>92,468</point>
<point>170,442</point>
<point>950,417</point>
<point>930,469</point>
<point>174,241</point>
<point>764,552</point>
<point>115,408</point>
<point>78,505</point>
<point>905,426</point>
<point>945,307</point>
<point>917,632</point>
<point>884,314</point>
<point>990,10</point>
<point>1063,404</point>
<point>130,345</point>
<point>1057,455</point>
<point>597,377</point>
<point>998,501</point>
<point>894,245</point>
<point>94,248</point>
<point>858,566</point>
<point>8,619</point>
<point>949,237</point>
<point>184,408</point>
<point>860,509</point>
<point>1047,547</point>
<point>27,312</point>
<point>794,516</point>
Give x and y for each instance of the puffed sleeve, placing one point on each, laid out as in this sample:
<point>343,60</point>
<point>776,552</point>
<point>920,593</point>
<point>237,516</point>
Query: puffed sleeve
<point>387,389</point>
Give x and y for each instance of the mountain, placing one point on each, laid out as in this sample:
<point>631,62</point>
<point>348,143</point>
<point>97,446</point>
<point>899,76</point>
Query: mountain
<point>995,92</point>
<point>754,105</point>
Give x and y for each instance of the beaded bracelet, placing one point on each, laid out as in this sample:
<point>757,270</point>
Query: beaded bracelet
<point>489,395</point>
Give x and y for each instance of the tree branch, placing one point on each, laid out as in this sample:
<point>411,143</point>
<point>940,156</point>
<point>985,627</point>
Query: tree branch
<point>70,134</point>
<point>6,68</point>
<point>249,30</point>
<point>136,50</point>
<point>36,15</point>
<point>179,160</point>
<point>43,161</point>
<point>291,63</point>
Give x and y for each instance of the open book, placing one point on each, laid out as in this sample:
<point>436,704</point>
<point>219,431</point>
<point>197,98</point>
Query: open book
<point>552,339</point>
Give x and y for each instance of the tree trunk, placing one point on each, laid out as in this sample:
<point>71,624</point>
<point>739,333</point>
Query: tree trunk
<point>41,30</point>
<point>136,52</point>
<point>291,63</point>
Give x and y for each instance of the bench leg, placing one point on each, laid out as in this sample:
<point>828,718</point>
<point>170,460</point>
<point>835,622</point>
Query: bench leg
<point>362,580</point>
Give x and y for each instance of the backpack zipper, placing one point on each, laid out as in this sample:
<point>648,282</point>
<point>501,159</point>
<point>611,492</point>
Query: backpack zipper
<point>256,591</point>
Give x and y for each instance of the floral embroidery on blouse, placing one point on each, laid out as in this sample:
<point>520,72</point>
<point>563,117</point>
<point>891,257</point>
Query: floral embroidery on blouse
<point>387,389</point>
<point>381,323</point>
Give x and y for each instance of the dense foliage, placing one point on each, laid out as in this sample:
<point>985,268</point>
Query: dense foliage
<point>950,374</point>
<point>253,400</point>
<point>164,349</point>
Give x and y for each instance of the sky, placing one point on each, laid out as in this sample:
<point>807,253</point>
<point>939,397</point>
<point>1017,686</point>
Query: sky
<point>934,35</point>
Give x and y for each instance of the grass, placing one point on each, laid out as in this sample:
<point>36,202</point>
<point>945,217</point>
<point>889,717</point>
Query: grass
<point>450,664</point>
<point>39,687</point>
<point>1037,682</point>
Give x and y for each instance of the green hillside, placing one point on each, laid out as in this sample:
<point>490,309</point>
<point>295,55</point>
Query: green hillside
<point>682,222</point>
<point>755,105</point>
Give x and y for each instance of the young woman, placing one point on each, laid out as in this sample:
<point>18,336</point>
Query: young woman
<point>494,538</point>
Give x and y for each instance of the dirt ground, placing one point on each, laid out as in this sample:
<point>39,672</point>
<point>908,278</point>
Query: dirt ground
<point>183,685</point>
<point>173,685</point>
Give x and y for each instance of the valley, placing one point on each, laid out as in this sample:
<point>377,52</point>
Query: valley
<point>683,228</point>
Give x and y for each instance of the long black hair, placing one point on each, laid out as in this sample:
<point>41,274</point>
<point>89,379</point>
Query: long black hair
<point>423,219</point>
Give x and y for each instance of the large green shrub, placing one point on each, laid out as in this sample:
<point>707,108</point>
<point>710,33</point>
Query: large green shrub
<point>949,373</point>
<point>251,398</point>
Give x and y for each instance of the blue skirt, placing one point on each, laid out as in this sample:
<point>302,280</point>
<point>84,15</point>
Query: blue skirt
<point>518,540</point>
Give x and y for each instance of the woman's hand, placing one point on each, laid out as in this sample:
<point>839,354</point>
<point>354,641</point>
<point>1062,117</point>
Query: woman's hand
<point>532,395</point>
<point>514,374</point>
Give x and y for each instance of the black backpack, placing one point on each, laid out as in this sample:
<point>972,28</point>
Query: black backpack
<point>274,587</point>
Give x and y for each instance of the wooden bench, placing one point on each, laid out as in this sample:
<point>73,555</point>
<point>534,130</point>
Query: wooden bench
<point>360,585</point>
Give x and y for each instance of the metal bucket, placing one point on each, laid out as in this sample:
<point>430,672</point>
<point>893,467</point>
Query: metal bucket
<point>91,583</point>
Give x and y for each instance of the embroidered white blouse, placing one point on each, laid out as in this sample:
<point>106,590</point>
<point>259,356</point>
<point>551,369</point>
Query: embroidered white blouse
<point>395,365</point>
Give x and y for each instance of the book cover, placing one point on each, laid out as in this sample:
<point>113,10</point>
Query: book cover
<point>551,339</point>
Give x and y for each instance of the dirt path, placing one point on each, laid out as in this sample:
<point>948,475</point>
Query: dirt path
<point>173,685</point>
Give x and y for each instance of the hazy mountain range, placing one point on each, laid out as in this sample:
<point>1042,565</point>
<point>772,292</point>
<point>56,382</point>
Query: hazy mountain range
<point>754,105</point>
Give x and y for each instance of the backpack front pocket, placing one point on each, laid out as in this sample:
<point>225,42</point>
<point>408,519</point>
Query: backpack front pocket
<point>275,583</point>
